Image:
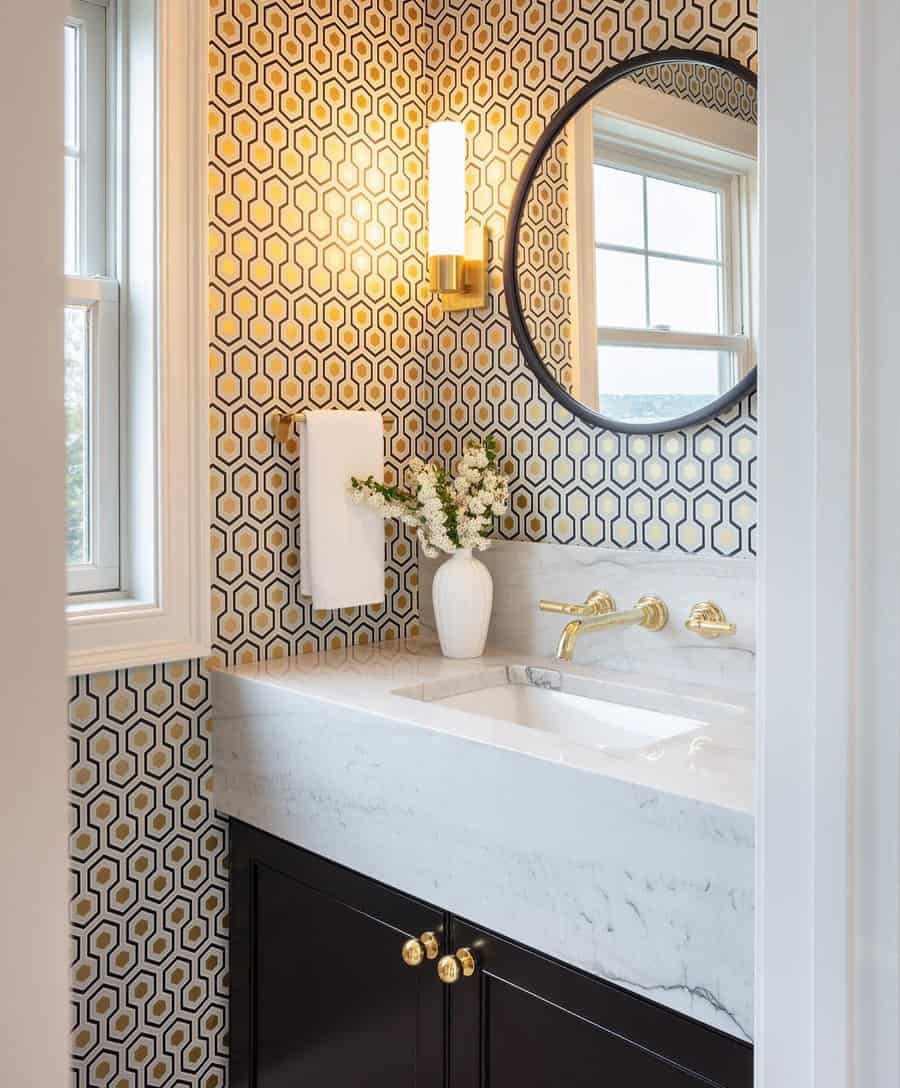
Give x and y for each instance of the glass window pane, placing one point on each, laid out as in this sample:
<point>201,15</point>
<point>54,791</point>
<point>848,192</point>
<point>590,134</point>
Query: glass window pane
<point>682,219</point>
<point>71,86</point>
<point>71,217</point>
<point>684,296</point>
<point>621,297</point>
<point>645,384</point>
<point>77,358</point>
<point>618,207</point>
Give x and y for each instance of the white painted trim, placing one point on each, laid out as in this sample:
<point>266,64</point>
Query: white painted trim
<point>795,553</point>
<point>165,614</point>
<point>828,813</point>
<point>582,232</point>
<point>636,112</point>
<point>875,798</point>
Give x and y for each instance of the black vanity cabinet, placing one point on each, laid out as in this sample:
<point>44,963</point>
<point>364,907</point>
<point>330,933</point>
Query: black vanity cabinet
<point>320,997</point>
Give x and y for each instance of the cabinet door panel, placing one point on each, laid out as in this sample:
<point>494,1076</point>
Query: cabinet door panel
<point>320,995</point>
<point>526,1021</point>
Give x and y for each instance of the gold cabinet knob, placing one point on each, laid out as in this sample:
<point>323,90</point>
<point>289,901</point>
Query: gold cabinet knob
<point>416,950</point>
<point>461,964</point>
<point>708,621</point>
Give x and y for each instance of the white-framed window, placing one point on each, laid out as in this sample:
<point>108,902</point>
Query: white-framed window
<point>91,326</point>
<point>664,206</point>
<point>136,335</point>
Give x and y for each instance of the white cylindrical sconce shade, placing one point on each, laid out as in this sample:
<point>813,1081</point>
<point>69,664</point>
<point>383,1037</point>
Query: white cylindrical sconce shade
<point>446,189</point>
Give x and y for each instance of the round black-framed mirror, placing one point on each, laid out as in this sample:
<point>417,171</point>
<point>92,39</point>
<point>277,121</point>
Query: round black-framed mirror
<point>697,275</point>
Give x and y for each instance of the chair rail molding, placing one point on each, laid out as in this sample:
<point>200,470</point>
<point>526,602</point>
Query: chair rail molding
<point>827,962</point>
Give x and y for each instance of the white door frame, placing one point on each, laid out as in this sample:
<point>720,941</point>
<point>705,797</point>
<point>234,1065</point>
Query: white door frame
<point>828,779</point>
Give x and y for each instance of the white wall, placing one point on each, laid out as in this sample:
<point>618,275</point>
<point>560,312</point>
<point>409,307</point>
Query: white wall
<point>33,828</point>
<point>828,772</point>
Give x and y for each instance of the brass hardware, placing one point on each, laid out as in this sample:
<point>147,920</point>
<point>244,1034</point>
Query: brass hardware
<point>447,272</point>
<point>597,603</point>
<point>415,951</point>
<point>283,424</point>
<point>708,621</point>
<point>462,282</point>
<point>460,965</point>
<point>649,612</point>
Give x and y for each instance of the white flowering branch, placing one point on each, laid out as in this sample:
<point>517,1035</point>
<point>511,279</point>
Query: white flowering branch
<point>448,513</point>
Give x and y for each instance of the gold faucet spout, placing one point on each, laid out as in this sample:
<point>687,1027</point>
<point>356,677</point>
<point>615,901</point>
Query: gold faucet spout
<point>649,612</point>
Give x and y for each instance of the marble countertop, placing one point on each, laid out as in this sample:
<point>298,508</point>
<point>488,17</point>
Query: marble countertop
<point>713,765</point>
<point>639,870</point>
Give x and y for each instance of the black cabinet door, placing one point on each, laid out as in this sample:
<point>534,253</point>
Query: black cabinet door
<point>526,1021</point>
<point>320,997</point>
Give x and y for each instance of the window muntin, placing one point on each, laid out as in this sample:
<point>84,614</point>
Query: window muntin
<point>91,347</point>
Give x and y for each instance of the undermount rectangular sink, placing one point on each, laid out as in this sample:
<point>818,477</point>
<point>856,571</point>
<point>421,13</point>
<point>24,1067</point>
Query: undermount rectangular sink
<point>594,722</point>
<point>610,716</point>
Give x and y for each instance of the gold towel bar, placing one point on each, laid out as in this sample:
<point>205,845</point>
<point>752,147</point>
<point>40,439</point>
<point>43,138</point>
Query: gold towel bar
<point>284,424</point>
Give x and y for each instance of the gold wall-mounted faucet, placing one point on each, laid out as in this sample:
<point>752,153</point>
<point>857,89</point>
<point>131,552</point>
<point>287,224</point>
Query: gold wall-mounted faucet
<point>599,612</point>
<point>708,621</point>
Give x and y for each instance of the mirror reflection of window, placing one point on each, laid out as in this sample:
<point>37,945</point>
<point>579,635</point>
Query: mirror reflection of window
<point>663,210</point>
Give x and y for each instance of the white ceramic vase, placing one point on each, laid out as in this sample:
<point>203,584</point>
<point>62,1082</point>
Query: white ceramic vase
<point>462,593</point>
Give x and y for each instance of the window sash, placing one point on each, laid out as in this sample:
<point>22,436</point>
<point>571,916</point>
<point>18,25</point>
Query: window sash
<point>738,348</point>
<point>91,262</point>
<point>725,185</point>
<point>100,297</point>
<point>91,155</point>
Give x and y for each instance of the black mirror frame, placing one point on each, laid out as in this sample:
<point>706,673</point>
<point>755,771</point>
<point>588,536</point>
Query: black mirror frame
<point>510,279</point>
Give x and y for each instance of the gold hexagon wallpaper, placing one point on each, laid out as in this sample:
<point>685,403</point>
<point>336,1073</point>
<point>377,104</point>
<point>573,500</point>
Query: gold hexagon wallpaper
<point>318,128</point>
<point>503,68</point>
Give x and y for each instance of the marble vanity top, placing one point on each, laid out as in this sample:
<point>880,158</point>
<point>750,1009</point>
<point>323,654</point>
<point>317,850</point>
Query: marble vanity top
<point>633,862</point>
<point>713,763</point>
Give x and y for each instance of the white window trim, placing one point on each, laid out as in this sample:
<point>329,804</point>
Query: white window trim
<point>644,128</point>
<point>163,613</point>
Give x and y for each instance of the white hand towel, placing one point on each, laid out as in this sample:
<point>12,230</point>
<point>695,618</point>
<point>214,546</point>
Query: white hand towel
<point>341,543</point>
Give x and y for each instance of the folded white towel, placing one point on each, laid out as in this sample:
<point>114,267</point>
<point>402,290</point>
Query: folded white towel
<point>341,543</point>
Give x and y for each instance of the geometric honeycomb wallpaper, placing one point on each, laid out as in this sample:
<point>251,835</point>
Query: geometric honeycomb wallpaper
<point>317,128</point>
<point>503,68</point>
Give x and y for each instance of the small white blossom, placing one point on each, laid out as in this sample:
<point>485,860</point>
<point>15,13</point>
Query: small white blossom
<point>432,500</point>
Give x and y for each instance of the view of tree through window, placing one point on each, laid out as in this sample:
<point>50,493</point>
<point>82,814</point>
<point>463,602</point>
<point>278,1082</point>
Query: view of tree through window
<point>77,329</point>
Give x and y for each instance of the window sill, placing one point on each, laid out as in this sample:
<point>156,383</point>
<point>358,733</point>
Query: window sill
<point>124,633</point>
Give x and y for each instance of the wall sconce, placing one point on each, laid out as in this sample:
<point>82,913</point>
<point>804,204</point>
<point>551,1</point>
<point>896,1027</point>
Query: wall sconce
<point>457,250</point>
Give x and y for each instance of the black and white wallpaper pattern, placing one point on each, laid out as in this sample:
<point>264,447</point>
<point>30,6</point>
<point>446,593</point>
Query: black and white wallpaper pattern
<point>318,117</point>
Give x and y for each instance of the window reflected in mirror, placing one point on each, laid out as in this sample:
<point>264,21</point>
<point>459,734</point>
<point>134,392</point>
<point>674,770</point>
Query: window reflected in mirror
<point>636,253</point>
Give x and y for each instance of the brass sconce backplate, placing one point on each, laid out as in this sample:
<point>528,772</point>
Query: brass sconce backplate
<point>471,272</point>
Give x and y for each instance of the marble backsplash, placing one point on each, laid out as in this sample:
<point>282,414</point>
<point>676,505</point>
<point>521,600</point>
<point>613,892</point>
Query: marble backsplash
<point>525,572</point>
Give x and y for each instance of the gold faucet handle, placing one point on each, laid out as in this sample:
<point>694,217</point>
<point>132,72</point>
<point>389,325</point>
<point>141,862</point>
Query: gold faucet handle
<point>708,621</point>
<point>597,603</point>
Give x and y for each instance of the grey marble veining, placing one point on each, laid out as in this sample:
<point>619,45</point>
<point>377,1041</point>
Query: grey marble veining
<point>633,873</point>
<point>523,572</point>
